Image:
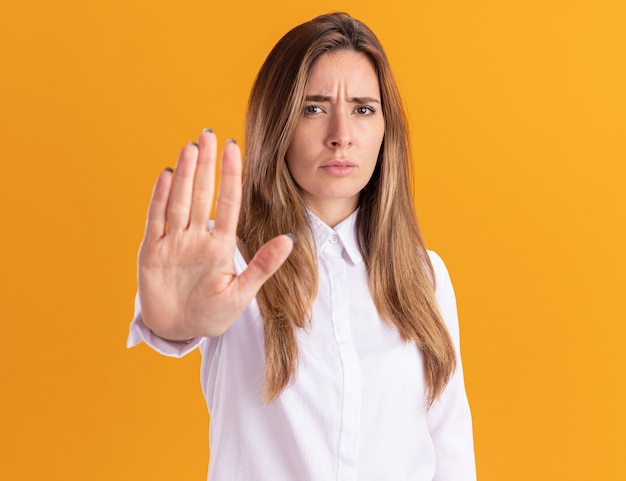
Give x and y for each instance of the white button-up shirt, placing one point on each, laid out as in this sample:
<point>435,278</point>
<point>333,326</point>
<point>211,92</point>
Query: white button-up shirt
<point>357,408</point>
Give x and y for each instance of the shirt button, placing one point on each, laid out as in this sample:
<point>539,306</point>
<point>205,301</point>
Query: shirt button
<point>333,239</point>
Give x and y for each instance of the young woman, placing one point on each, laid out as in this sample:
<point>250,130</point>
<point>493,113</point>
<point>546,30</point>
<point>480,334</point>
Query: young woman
<point>329,335</point>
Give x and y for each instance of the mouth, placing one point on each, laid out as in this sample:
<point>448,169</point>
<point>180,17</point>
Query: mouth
<point>338,167</point>
<point>338,163</point>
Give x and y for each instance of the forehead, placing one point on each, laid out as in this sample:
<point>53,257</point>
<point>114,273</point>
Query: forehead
<point>352,70</point>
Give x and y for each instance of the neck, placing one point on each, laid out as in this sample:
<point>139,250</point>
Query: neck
<point>332,213</point>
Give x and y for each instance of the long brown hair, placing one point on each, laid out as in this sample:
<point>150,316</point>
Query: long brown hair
<point>401,277</point>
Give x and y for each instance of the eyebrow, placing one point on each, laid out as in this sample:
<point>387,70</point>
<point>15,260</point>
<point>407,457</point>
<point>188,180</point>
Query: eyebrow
<point>354,100</point>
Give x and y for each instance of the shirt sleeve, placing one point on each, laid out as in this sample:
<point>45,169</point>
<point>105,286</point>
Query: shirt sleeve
<point>140,333</point>
<point>449,418</point>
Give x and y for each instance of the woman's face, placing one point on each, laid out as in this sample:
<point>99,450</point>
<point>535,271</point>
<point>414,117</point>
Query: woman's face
<point>337,140</point>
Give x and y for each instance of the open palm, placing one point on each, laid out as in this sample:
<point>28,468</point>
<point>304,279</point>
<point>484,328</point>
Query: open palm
<point>188,286</point>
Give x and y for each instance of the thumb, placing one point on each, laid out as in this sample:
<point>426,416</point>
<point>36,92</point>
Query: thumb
<point>265,262</point>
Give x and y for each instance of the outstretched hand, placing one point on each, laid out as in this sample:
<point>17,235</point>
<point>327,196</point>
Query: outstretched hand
<point>188,286</point>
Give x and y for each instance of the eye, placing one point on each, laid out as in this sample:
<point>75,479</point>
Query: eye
<point>312,109</point>
<point>365,110</point>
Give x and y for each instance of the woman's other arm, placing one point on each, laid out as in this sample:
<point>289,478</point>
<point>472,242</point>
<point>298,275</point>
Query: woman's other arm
<point>449,418</point>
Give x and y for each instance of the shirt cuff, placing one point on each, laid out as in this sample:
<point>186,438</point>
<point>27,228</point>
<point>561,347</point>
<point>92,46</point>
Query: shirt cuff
<point>139,333</point>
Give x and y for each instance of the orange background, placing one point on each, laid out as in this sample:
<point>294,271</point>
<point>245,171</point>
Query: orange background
<point>518,116</point>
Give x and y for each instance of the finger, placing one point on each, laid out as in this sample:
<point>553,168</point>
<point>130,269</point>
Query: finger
<point>229,193</point>
<point>179,205</point>
<point>204,180</point>
<point>265,263</point>
<point>155,222</point>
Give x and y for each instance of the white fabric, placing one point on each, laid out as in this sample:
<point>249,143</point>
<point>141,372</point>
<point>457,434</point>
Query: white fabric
<point>356,410</point>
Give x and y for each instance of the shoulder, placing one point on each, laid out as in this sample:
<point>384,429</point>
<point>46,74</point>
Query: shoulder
<point>439,268</point>
<point>444,293</point>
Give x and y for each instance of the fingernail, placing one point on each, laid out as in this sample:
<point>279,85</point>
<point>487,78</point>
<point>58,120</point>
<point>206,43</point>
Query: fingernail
<point>169,169</point>
<point>193,143</point>
<point>292,237</point>
<point>231,140</point>
<point>207,131</point>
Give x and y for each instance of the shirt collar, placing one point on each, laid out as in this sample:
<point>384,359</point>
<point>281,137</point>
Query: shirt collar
<point>344,235</point>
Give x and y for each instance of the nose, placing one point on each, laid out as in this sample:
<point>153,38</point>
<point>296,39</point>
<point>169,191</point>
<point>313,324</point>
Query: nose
<point>339,131</point>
